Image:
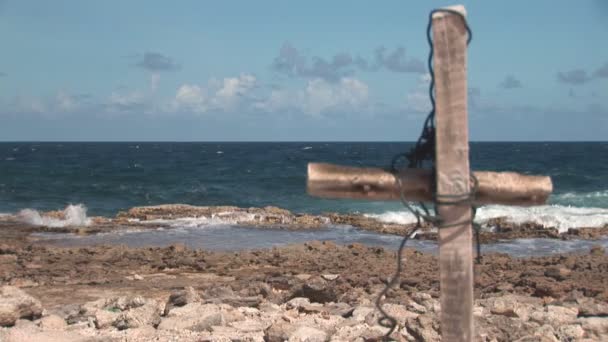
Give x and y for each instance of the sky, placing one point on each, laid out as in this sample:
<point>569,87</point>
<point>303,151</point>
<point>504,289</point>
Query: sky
<point>286,70</point>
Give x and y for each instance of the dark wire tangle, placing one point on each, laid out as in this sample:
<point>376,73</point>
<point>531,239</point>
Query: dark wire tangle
<point>423,153</point>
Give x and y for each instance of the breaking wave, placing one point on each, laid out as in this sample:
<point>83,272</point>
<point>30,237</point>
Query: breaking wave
<point>550,216</point>
<point>72,215</point>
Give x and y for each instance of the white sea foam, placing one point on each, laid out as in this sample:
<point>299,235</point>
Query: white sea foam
<point>550,216</point>
<point>218,219</point>
<point>74,215</point>
<point>400,217</point>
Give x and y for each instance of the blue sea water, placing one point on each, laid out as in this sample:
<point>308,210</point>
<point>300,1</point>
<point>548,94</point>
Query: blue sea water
<point>110,177</point>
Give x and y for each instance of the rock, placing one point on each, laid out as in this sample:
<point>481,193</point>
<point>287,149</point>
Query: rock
<point>415,307</point>
<point>249,312</point>
<point>19,335</point>
<point>546,333</point>
<point>423,328</point>
<point>249,325</point>
<point>219,292</point>
<point>555,315</point>
<point>339,309</point>
<point>138,277</point>
<point>316,290</point>
<point>237,301</point>
<point>52,322</point>
<point>292,326</point>
<point>122,312</point>
<point>279,331</point>
<point>397,311</point>
<point>302,276</point>
<point>330,277</point>
<point>426,300</point>
<point>145,333</point>
<point>557,273</point>
<point>103,318</point>
<point>202,323</point>
<point>146,314</point>
<point>478,311</point>
<point>181,298</point>
<point>221,333</point>
<point>595,326</point>
<point>308,334</point>
<point>511,306</point>
<point>257,288</point>
<point>195,324</point>
<point>359,332</point>
<point>23,282</point>
<point>15,304</point>
<point>178,247</point>
<point>269,307</point>
<point>597,250</point>
<point>350,333</point>
<point>590,307</point>
<point>199,317</point>
<point>361,312</point>
<point>570,332</point>
<point>225,295</point>
<point>503,307</point>
<point>505,287</point>
<point>304,305</point>
<point>7,259</point>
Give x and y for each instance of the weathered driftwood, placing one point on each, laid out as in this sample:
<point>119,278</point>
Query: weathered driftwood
<point>335,181</point>
<point>453,175</point>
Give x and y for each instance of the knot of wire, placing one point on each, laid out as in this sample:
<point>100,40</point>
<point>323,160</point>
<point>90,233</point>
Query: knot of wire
<point>419,156</point>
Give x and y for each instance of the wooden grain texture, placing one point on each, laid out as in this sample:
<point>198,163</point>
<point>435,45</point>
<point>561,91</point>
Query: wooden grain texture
<point>335,181</point>
<point>452,174</point>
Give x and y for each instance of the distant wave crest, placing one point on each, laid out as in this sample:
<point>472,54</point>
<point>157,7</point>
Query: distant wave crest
<point>551,216</point>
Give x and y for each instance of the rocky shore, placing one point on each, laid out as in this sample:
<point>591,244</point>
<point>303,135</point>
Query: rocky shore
<point>317,291</point>
<point>495,229</point>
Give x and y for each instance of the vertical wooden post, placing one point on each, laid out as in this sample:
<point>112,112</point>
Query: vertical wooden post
<point>452,163</point>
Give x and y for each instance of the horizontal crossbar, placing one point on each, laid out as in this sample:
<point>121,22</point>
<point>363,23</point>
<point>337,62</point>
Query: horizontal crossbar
<point>335,181</point>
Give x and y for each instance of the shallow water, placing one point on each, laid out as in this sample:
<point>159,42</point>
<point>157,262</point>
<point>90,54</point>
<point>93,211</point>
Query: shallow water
<point>234,238</point>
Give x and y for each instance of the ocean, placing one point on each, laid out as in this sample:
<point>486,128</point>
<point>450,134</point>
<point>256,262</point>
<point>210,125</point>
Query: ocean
<point>101,179</point>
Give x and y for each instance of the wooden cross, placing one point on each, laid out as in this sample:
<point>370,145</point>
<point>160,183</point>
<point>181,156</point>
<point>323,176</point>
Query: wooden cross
<point>452,177</point>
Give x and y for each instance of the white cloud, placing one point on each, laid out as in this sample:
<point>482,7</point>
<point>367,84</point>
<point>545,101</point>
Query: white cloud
<point>191,97</point>
<point>278,99</point>
<point>322,96</point>
<point>225,95</point>
<point>233,90</point>
<point>232,95</point>
<point>319,96</point>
